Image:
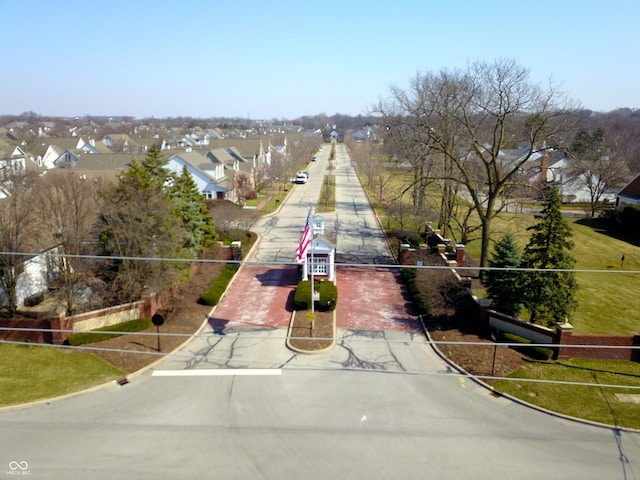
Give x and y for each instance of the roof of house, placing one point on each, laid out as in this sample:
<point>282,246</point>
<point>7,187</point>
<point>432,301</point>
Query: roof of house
<point>196,159</point>
<point>67,143</point>
<point>222,156</point>
<point>111,162</point>
<point>631,189</point>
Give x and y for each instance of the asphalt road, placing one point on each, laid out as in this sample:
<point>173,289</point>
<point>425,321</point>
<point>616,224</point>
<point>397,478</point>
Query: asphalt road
<point>380,405</point>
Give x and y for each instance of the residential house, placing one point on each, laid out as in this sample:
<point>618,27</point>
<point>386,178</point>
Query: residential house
<point>11,162</point>
<point>208,175</point>
<point>628,195</point>
<point>57,157</point>
<point>91,146</point>
<point>220,173</point>
<point>121,143</point>
<point>107,166</point>
<point>39,272</point>
<point>214,134</point>
<point>553,167</point>
<point>238,170</point>
<point>573,184</point>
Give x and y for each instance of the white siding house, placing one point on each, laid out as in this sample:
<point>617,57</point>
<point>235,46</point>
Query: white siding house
<point>207,176</point>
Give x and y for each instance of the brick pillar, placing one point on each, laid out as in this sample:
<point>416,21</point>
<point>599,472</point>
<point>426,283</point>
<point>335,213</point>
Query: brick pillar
<point>404,249</point>
<point>484,304</point>
<point>460,255</point>
<point>149,305</point>
<point>59,321</point>
<point>544,169</point>
<point>564,331</point>
<point>441,248</point>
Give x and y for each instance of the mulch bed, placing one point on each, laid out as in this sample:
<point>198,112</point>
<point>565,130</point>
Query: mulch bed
<point>486,359</point>
<point>303,337</point>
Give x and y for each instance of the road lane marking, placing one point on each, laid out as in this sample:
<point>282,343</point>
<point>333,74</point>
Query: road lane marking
<point>216,372</point>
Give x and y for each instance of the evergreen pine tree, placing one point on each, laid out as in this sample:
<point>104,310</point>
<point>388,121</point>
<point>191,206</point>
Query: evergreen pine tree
<point>503,286</point>
<point>549,295</point>
<point>139,219</point>
<point>155,163</point>
<point>190,207</point>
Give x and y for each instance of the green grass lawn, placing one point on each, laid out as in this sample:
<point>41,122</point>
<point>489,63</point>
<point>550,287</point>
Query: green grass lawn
<point>608,300</point>
<point>598,404</point>
<point>30,373</point>
<point>327,198</point>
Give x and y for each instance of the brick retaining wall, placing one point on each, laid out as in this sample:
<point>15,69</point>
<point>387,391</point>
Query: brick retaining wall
<point>77,323</point>
<point>563,335</point>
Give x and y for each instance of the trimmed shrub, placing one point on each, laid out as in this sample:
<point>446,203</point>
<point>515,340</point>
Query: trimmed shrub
<point>536,353</point>
<point>419,301</point>
<point>328,296</point>
<point>327,291</point>
<point>302,296</point>
<point>82,338</point>
<point>630,221</point>
<point>218,285</point>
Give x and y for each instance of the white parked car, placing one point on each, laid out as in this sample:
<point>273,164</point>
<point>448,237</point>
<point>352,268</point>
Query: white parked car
<point>301,177</point>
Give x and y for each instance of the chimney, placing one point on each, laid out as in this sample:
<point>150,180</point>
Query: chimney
<point>544,168</point>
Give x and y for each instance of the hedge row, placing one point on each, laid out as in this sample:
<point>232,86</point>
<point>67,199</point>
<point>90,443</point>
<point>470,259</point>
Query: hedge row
<point>419,301</point>
<point>218,285</point>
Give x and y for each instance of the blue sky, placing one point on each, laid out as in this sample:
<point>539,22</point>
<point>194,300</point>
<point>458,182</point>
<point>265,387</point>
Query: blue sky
<point>284,59</point>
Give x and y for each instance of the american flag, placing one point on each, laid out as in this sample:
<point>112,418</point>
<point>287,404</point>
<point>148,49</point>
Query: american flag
<point>305,241</point>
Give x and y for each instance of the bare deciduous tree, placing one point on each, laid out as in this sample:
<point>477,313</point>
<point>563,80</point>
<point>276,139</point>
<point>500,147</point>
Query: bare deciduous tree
<point>68,211</point>
<point>595,166</point>
<point>466,118</point>
<point>19,232</point>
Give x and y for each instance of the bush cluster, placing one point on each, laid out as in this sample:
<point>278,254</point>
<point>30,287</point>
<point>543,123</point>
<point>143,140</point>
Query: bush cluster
<point>408,236</point>
<point>328,296</point>
<point>218,285</point>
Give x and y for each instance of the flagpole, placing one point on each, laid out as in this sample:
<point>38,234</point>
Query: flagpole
<point>312,281</point>
<point>301,252</point>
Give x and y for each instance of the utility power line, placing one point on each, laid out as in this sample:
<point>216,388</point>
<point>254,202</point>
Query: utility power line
<point>337,264</point>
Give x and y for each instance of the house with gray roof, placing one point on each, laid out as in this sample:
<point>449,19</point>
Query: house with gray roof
<point>220,173</point>
<point>208,175</point>
<point>57,157</point>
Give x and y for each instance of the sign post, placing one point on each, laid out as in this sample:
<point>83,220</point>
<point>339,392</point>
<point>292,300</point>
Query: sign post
<point>158,320</point>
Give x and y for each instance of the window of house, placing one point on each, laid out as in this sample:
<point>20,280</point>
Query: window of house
<point>319,265</point>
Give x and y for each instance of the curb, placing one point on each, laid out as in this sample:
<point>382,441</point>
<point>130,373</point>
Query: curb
<point>311,352</point>
<point>517,400</point>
